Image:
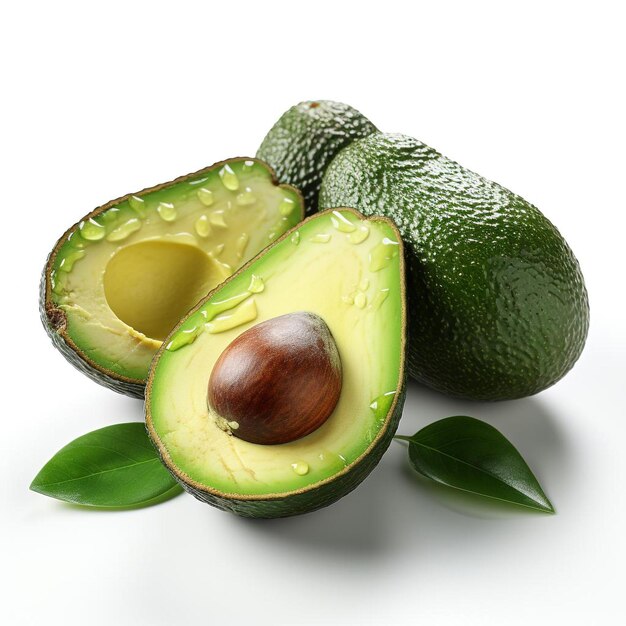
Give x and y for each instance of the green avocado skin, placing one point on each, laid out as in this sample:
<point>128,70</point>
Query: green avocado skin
<point>305,139</point>
<point>324,495</point>
<point>497,304</point>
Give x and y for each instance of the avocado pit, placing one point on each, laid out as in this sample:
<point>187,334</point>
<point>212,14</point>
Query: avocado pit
<point>151,284</point>
<point>278,381</point>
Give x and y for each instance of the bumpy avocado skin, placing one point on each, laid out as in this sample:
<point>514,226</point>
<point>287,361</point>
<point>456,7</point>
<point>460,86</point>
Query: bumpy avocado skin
<point>497,303</point>
<point>307,501</point>
<point>306,138</point>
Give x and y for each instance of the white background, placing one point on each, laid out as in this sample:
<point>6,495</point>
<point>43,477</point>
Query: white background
<point>101,100</point>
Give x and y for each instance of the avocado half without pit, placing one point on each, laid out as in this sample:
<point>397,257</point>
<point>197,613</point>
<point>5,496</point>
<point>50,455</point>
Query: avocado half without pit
<point>279,392</point>
<point>119,280</point>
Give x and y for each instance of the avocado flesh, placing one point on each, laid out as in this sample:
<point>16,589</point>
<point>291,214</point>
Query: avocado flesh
<point>497,303</point>
<point>119,280</point>
<point>306,138</point>
<point>348,271</point>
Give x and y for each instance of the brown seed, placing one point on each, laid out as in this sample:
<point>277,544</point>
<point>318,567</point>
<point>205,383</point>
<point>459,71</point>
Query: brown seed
<point>278,381</point>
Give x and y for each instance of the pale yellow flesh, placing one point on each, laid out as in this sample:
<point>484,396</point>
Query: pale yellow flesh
<point>123,297</point>
<point>152,284</point>
<point>326,274</point>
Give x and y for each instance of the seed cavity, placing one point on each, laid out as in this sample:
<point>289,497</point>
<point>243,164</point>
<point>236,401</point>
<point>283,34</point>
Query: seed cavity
<point>360,300</point>
<point>205,196</point>
<point>203,226</point>
<point>229,178</point>
<point>301,468</point>
<point>92,230</point>
<point>342,223</point>
<point>359,235</point>
<point>125,230</point>
<point>167,211</point>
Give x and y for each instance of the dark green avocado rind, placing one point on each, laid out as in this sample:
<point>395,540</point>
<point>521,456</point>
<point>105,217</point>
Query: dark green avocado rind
<point>497,303</point>
<point>306,138</point>
<point>309,500</point>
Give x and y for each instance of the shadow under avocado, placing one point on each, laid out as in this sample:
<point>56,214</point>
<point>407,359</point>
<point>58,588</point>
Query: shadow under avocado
<point>356,525</point>
<point>136,409</point>
<point>397,509</point>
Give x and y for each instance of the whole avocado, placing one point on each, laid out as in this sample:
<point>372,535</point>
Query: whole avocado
<point>497,303</point>
<point>305,139</point>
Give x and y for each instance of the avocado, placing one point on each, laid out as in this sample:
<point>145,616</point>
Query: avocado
<point>120,279</point>
<point>337,277</point>
<point>305,139</point>
<point>497,303</point>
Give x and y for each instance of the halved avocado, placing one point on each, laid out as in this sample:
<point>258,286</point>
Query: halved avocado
<point>118,281</point>
<point>340,268</point>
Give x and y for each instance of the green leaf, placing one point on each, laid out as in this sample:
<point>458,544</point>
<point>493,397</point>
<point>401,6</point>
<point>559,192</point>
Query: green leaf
<point>468,454</point>
<point>113,467</point>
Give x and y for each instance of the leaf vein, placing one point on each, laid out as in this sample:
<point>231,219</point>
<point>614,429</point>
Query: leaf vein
<point>113,469</point>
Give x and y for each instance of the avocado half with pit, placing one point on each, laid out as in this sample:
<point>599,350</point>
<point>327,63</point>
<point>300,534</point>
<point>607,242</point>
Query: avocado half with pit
<point>119,280</point>
<point>279,392</point>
